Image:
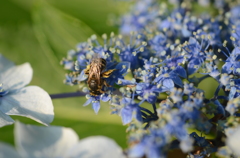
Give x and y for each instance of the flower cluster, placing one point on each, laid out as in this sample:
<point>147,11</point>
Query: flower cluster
<point>161,60</point>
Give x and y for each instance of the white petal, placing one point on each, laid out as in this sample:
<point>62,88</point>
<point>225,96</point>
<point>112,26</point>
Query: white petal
<point>32,102</point>
<point>5,120</point>
<point>4,64</point>
<point>7,151</point>
<point>16,77</point>
<point>233,140</point>
<point>43,142</point>
<point>96,147</point>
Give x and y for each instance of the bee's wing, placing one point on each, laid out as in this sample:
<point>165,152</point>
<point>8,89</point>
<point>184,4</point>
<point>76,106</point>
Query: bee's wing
<point>108,73</point>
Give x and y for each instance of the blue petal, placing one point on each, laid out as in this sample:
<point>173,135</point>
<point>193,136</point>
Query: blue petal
<point>152,99</point>
<point>88,101</point>
<point>177,80</point>
<point>122,68</point>
<point>236,51</point>
<point>138,115</point>
<point>105,97</point>
<point>231,108</point>
<point>96,106</point>
<point>82,76</point>
<point>237,57</point>
<point>192,66</point>
<point>186,33</point>
<point>220,108</point>
<point>137,150</point>
<point>232,93</point>
<point>168,83</point>
<point>194,42</point>
<point>157,79</point>
<point>226,68</point>
<point>126,114</point>
<point>236,69</point>
<point>126,100</point>
<point>154,152</point>
<point>181,71</point>
<point>125,82</point>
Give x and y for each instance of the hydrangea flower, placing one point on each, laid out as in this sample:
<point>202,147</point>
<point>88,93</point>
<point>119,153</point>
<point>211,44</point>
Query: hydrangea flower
<point>140,16</point>
<point>129,111</point>
<point>170,52</point>
<point>57,142</point>
<point>16,99</point>
<point>232,65</point>
<point>195,54</point>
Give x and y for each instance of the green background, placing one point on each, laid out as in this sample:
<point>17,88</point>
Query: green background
<point>41,32</point>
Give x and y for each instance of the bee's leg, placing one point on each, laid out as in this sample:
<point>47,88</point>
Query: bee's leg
<point>101,91</point>
<point>106,84</point>
<point>86,71</point>
<point>107,74</point>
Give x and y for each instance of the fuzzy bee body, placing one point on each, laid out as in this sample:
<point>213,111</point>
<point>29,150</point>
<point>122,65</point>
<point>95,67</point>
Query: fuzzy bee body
<point>96,75</point>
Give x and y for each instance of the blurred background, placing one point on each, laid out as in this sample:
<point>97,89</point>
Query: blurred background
<point>41,32</point>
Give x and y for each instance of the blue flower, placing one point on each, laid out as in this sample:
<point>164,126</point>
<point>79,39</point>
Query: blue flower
<point>16,99</point>
<point>143,13</point>
<point>129,111</point>
<point>172,25</point>
<point>235,14</point>
<point>174,64</point>
<point>233,106</point>
<point>236,35</point>
<point>148,92</point>
<point>232,65</point>
<point>95,100</point>
<point>133,52</point>
<point>195,55</point>
<point>234,89</point>
<point>166,78</point>
<point>72,55</point>
<point>159,44</point>
<point>150,145</point>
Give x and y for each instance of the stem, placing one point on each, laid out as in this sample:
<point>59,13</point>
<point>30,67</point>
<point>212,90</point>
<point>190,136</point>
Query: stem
<point>222,97</point>
<point>154,108</point>
<point>149,119</point>
<point>67,95</point>
<point>217,91</point>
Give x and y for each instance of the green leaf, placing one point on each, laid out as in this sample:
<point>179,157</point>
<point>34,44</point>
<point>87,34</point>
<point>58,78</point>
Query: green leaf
<point>57,32</point>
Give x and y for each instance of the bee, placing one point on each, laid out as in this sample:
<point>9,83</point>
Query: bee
<point>96,75</point>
